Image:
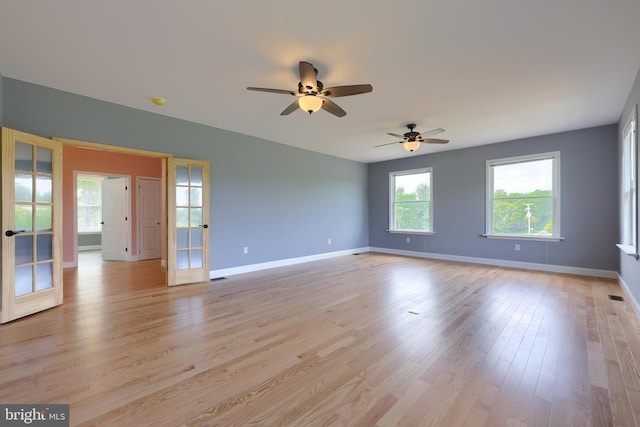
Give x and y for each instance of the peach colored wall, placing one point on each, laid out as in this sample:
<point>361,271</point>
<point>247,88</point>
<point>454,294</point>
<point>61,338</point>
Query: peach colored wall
<point>87,160</point>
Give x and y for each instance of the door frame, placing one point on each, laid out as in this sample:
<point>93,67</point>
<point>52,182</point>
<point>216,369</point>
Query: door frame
<point>138,152</point>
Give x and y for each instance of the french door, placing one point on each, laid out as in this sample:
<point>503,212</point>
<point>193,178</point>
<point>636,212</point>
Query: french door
<point>31,224</point>
<point>188,216</point>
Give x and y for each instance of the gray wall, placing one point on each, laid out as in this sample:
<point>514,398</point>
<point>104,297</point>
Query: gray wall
<point>589,208</point>
<point>280,201</point>
<point>89,239</point>
<point>1,103</point>
<point>629,267</point>
<point>283,202</point>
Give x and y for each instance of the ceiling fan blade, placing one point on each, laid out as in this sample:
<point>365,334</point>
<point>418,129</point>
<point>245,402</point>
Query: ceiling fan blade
<point>389,143</point>
<point>396,135</point>
<point>333,108</point>
<point>346,90</point>
<point>308,76</point>
<point>290,109</point>
<point>264,89</point>
<point>432,132</point>
<point>434,141</point>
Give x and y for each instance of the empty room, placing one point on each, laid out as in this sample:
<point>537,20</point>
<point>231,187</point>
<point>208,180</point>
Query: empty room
<point>420,213</point>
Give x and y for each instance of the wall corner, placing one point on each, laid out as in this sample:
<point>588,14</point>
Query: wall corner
<point>1,99</point>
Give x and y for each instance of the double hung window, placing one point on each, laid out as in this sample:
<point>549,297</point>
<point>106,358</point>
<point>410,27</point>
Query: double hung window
<point>523,197</point>
<point>89,196</point>
<point>629,196</point>
<point>410,205</point>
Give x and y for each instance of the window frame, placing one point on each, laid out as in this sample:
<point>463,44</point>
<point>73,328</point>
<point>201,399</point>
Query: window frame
<point>392,201</point>
<point>556,235</point>
<point>629,183</point>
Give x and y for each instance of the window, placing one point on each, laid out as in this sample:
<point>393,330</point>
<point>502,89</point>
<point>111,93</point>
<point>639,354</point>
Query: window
<point>89,196</point>
<point>629,185</point>
<point>410,207</point>
<point>523,197</point>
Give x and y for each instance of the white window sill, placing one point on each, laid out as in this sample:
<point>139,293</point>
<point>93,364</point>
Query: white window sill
<point>524,237</point>
<point>629,250</point>
<point>426,233</point>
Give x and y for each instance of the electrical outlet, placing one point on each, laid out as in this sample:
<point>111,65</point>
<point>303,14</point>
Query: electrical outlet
<point>517,246</point>
<point>329,241</point>
<point>246,250</point>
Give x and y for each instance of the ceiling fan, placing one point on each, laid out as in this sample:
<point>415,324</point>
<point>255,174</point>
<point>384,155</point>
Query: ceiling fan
<point>411,140</point>
<point>312,95</point>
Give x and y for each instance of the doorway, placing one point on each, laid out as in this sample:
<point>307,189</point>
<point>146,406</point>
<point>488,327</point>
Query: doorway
<point>184,200</point>
<point>44,227</point>
<point>102,206</point>
<point>102,169</point>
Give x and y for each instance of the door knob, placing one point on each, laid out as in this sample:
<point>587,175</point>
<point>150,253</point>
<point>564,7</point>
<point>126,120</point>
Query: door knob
<point>11,233</point>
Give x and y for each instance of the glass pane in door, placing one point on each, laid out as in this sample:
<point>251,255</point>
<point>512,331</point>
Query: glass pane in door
<point>188,217</point>
<point>23,187</point>
<point>182,260</point>
<point>24,249</point>
<point>44,247</point>
<point>43,189</point>
<point>24,157</point>
<point>43,160</point>
<point>182,175</point>
<point>44,275</point>
<point>182,239</point>
<point>24,217</point>
<point>24,280</point>
<point>33,219</point>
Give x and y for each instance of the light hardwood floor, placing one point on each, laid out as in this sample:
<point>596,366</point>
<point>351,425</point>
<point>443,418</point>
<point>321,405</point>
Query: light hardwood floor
<point>331,343</point>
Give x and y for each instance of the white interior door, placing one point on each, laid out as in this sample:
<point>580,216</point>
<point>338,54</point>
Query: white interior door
<point>188,216</point>
<point>115,219</point>
<point>149,218</point>
<point>31,224</point>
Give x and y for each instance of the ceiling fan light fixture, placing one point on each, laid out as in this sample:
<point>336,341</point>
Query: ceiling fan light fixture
<point>310,103</point>
<point>411,145</point>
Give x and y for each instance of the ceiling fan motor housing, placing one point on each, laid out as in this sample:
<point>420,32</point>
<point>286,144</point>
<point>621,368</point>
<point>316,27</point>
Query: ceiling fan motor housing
<point>311,90</point>
<point>411,135</point>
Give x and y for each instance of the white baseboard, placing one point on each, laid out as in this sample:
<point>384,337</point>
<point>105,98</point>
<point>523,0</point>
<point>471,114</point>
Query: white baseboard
<point>629,295</point>
<point>504,263</point>
<point>224,272</point>
<point>486,261</point>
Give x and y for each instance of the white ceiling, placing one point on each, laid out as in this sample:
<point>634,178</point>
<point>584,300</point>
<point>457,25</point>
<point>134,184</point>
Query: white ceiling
<point>486,71</point>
